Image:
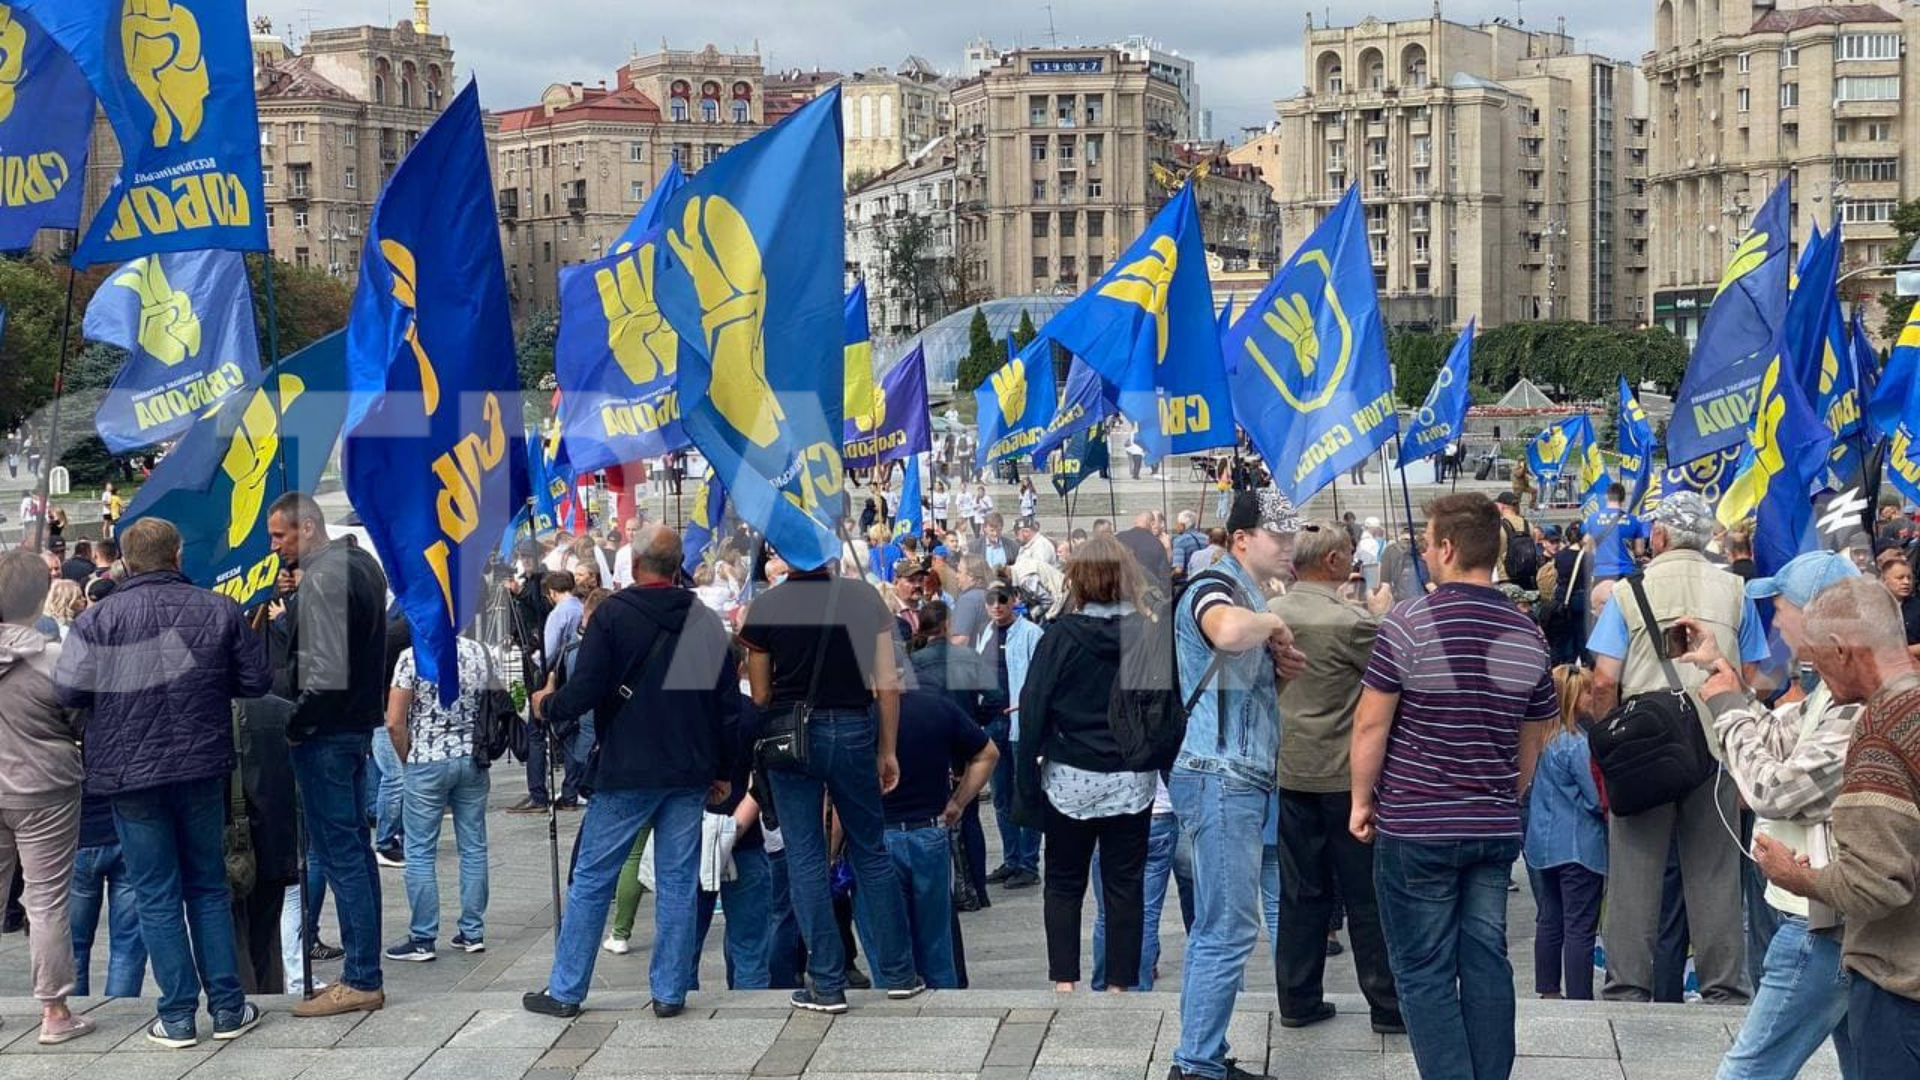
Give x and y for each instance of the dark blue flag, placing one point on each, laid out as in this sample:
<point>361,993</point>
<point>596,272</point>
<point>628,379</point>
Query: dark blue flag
<point>175,78</point>
<point>46,116</point>
<point>1550,450</point>
<point>1443,416</point>
<point>1785,464</point>
<point>709,512</point>
<point>186,321</point>
<point>1085,403</point>
<point>432,459</point>
<point>1084,455</point>
<point>1016,404</point>
<point>615,359</point>
<point>894,424</point>
<point>1636,445</point>
<point>225,472</point>
<point>911,520</point>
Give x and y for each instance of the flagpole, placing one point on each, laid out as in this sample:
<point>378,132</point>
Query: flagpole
<point>273,360</point>
<point>52,454</point>
<point>1336,498</point>
<point>1419,566</point>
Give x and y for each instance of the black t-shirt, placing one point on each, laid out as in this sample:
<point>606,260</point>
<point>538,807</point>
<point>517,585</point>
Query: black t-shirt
<point>936,740</point>
<point>77,570</point>
<point>1910,614</point>
<point>788,622</point>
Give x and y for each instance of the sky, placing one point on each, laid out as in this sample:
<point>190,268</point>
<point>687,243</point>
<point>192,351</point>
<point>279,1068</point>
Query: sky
<point>1247,53</point>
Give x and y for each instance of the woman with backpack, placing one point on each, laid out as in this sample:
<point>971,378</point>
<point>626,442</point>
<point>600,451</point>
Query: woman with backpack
<point>1566,847</point>
<point>1070,780</point>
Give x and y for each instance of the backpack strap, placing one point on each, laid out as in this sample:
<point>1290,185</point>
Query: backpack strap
<point>1636,584</point>
<point>1217,662</point>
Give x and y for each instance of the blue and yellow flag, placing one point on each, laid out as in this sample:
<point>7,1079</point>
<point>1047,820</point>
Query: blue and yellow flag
<point>1085,455</point>
<point>615,359</point>
<point>749,277</point>
<point>46,117</point>
<point>1810,305</point>
<point>911,519</point>
<point>709,512</point>
<point>1784,466</point>
<point>435,417</point>
<point>536,515</point>
<point>1314,388</point>
<point>861,387</point>
<point>1148,328</point>
<point>186,321</point>
<point>894,424</point>
<point>1085,403</point>
<point>1890,406</point>
<point>1443,416</point>
<point>1636,445</point>
<point>1550,450</point>
<point>1015,405</point>
<point>175,78</point>
<point>1707,477</point>
<point>653,213</point>
<point>225,472</point>
<point>1738,340</point>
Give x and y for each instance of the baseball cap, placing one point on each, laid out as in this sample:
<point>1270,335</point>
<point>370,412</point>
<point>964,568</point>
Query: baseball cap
<point>908,568</point>
<point>940,552</point>
<point>1685,509</point>
<point>1000,592</point>
<point>1508,498</point>
<point>1264,509</point>
<point>1371,523</point>
<point>1803,577</point>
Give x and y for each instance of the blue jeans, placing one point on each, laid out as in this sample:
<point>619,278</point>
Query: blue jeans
<point>570,765</point>
<point>1019,848</point>
<point>388,792</point>
<point>924,868</point>
<point>749,928</point>
<point>332,773</point>
<point>1800,1000</point>
<point>613,821</point>
<point>170,837</point>
<point>1761,920</point>
<point>783,947</point>
<point>433,787</point>
<point>1222,817</point>
<point>1270,897</point>
<point>1162,842</point>
<point>1884,1029</point>
<point>841,762</point>
<point>1443,906</point>
<point>100,881</point>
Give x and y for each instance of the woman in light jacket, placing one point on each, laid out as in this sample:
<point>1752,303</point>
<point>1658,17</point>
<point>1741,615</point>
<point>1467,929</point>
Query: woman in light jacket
<point>1566,846</point>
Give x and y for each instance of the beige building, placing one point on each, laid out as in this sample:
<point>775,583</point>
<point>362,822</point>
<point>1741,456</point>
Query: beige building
<point>891,116</point>
<point>1747,94</point>
<point>1054,152</point>
<point>574,169</point>
<point>1238,216</point>
<point>900,230</point>
<point>1498,167</point>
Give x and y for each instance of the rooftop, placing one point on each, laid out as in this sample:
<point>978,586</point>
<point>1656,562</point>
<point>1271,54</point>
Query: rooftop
<point>1775,22</point>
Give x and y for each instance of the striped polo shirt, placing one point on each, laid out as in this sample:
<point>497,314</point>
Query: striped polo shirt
<point>1469,668</point>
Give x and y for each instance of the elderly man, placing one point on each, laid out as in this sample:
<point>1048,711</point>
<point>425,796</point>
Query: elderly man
<point>1187,539</point>
<point>1034,545</point>
<point>1008,644</point>
<point>1871,873</point>
<point>1678,582</point>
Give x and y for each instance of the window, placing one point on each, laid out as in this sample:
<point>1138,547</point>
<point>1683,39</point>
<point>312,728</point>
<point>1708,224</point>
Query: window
<point>1095,267</point>
<point>1868,169</point>
<point>1866,211</point>
<point>353,223</point>
<point>1879,131</point>
<point>270,217</point>
<point>1789,95</point>
<point>1066,148</point>
<point>266,176</point>
<point>1066,187</point>
<point>1094,189</point>
<point>678,110</point>
<point>1040,225</point>
<point>297,133</point>
<point>683,153</point>
<point>546,202</point>
<point>298,176</point>
<point>1037,147</point>
<point>353,178</point>
<point>1867,88</point>
<point>1064,107</point>
<point>709,111</point>
<point>709,153</point>
<point>1096,226</point>
<point>1037,110</point>
<point>1067,268</point>
<point>1069,226</point>
<point>637,152</point>
<point>740,114</point>
<point>350,137</point>
<point>1743,100</point>
<point>546,157</point>
<point>300,219</point>
<point>1743,63</point>
<point>302,258</point>
<point>266,134</point>
<point>546,251</point>
<point>636,191</point>
<point>1040,266</point>
<point>1096,148</point>
<point>1869,47</point>
<point>1096,109</point>
<point>1789,56</point>
<point>1039,191</point>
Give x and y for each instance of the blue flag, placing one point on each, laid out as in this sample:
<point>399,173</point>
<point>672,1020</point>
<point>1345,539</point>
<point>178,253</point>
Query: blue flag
<point>1891,404</point>
<point>430,364</point>
<point>894,424</point>
<point>653,213</point>
<point>615,359</point>
<point>860,388</point>
<point>1636,445</point>
<point>1084,404</point>
<point>1738,340</point>
<point>749,276</point>
<point>1015,405</point>
<point>709,511</point>
<point>1809,303</point>
<point>175,78</point>
<point>536,515</point>
<point>1784,465</point>
<point>1224,321</point>
<point>1707,477</point>
<point>1550,450</point>
<point>1443,416</point>
<point>1084,455</point>
<point>46,117</point>
<point>911,520</point>
<point>1865,367</point>
<point>225,472</point>
<point>186,321</point>
<point>1148,328</point>
<point>1314,388</point>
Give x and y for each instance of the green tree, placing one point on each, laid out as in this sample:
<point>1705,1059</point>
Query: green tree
<point>1025,332</point>
<point>1576,360</point>
<point>33,292</point>
<point>1906,221</point>
<point>983,354</point>
<point>1417,358</point>
<point>308,305</point>
<point>534,353</point>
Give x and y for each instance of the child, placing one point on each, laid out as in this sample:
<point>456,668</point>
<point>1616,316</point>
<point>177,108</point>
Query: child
<point>1567,847</point>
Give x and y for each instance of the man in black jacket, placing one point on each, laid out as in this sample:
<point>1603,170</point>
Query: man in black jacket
<point>656,672</point>
<point>338,653</point>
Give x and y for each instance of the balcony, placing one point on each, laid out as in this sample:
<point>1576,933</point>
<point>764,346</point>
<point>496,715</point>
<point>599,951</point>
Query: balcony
<point>389,153</point>
<point>1377,226</point>
<point>1420,225</point>
<point>1336,132</point>
<point>1422,257</point>
<point>1533,258</point>
<point>1419,125</point>
<point>1377,129</point>
<point>1336,165</point>
<point>510,205</point>
<point>1379,256</point>
<point>1377,162</point>
<point>576,205</point>
<point>298,193</point>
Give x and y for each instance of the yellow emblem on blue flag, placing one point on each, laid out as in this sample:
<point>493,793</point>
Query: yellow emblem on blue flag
<point>1785,461</point>
<point>160,44</point>
<point>169,330</point>
<point>861,388</point>
<point>1144,282</point>
<point>1010,388</point>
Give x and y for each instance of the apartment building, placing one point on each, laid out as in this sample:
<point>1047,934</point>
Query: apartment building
<point>900,238</point>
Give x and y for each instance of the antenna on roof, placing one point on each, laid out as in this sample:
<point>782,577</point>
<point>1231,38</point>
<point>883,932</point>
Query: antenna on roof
<point>1053,36</point>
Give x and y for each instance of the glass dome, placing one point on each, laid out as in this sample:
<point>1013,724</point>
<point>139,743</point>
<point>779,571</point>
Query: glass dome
<point>947,341</point>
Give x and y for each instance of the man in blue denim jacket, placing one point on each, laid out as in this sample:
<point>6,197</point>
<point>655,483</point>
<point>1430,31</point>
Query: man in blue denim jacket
<point>1227,639</point>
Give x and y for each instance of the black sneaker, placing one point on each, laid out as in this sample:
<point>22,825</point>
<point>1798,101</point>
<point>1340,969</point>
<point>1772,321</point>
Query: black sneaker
<point>1334,948</point>
<point>904,993</point>
<point>1393,1024</point>
<point>321,952</point>
<point>1235,1072</point>
<point>1000,874</point>
<point>811,1000</point>
<point>468,945</point>
<point>667,1010</point>
<point>237,1024</point>
<point>1022,879</point>
<point>393,858</point>
<point>1322,1011</point>
<point>857,979</point>
<point>412,951</point>
<point>539,1001</point>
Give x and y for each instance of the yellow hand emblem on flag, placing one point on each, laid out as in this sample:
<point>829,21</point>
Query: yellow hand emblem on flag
<point>1744,494</point>
<point>1144,283</point>
<point>1748,256</point>
<point>169,330</point>
<point>643,342</point>
<point>1010,390</point>
<point>876,413</point>
<point>1291,319</point>
<point>250,455</point>
<point>160,41</point>
<point>1829,369</point>
<point>1553,445</point>
<point>13,54</point>
<point>723,259</point>
<point>1910,333</point>
<point>1295,322</point>
<point>405,273</point>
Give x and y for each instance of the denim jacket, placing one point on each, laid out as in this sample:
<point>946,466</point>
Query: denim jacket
<point>1564,823</point>
<point>1246,745</point>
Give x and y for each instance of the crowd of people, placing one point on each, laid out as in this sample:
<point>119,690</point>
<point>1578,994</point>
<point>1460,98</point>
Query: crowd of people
<point>1368,732</point>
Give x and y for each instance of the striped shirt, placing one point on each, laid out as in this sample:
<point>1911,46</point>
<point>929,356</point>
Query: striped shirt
<point>1469,668</point>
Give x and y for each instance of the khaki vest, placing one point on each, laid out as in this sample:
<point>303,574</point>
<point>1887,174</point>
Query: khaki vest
<point>1681,583</point>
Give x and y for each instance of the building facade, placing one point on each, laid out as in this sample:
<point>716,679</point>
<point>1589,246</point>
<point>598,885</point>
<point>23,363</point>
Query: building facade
<point>1748,95</point>
<point>892,116</point>
<point>1167,65</point>
<point>1503,174</point>
<point>900,239</point>
<point>1054,152</point>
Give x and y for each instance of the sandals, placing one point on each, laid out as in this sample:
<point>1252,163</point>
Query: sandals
<point>67,1030</point>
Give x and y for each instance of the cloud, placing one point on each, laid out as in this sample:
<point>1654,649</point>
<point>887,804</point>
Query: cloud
<point>1247,53</point>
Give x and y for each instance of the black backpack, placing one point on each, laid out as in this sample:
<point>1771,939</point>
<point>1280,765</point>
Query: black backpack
<point>1651,748</point>
<point>1523,556</point>
<point>1145,711</point>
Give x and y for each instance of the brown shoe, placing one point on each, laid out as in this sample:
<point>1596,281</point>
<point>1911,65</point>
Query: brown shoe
<point>341,998</point>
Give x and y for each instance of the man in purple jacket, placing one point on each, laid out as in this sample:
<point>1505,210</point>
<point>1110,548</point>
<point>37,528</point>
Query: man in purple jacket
<point>159,662</point>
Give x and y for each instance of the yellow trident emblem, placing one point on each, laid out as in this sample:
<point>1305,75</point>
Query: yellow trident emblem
<point>1010,390</point>
<point>13,55</point>
<point>1144,283</point>
<point>250,455</point>
<point>643,342</point>
<point>1293,320</point>
<point>160,41</point>
<point>169,330</point>
<point>721,255</point>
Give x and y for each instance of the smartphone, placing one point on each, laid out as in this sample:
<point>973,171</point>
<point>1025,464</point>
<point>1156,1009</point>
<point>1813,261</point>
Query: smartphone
<point>1678,641</point>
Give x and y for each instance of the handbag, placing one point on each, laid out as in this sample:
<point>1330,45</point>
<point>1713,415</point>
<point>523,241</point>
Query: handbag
<point>783,746</point>
<point>493,728</point>
<point>236,847</point>
<point>965,897</point>
<point>1651,748</point>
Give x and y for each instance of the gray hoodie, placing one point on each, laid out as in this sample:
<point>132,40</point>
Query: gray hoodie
<point>39,740</point>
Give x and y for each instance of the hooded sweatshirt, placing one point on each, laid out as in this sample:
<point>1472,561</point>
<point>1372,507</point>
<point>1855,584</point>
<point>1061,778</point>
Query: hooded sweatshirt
<point>39,740</point>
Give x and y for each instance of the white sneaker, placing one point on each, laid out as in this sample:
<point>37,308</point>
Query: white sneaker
<point>615,945</point>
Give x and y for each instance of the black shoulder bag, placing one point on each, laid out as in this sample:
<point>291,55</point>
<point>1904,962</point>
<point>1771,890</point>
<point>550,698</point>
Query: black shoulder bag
<point>783,746</point>
<point>1651,748</point>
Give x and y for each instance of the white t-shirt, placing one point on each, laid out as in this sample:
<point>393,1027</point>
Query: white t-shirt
<point>982,506</point>
<point>940,505</point>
